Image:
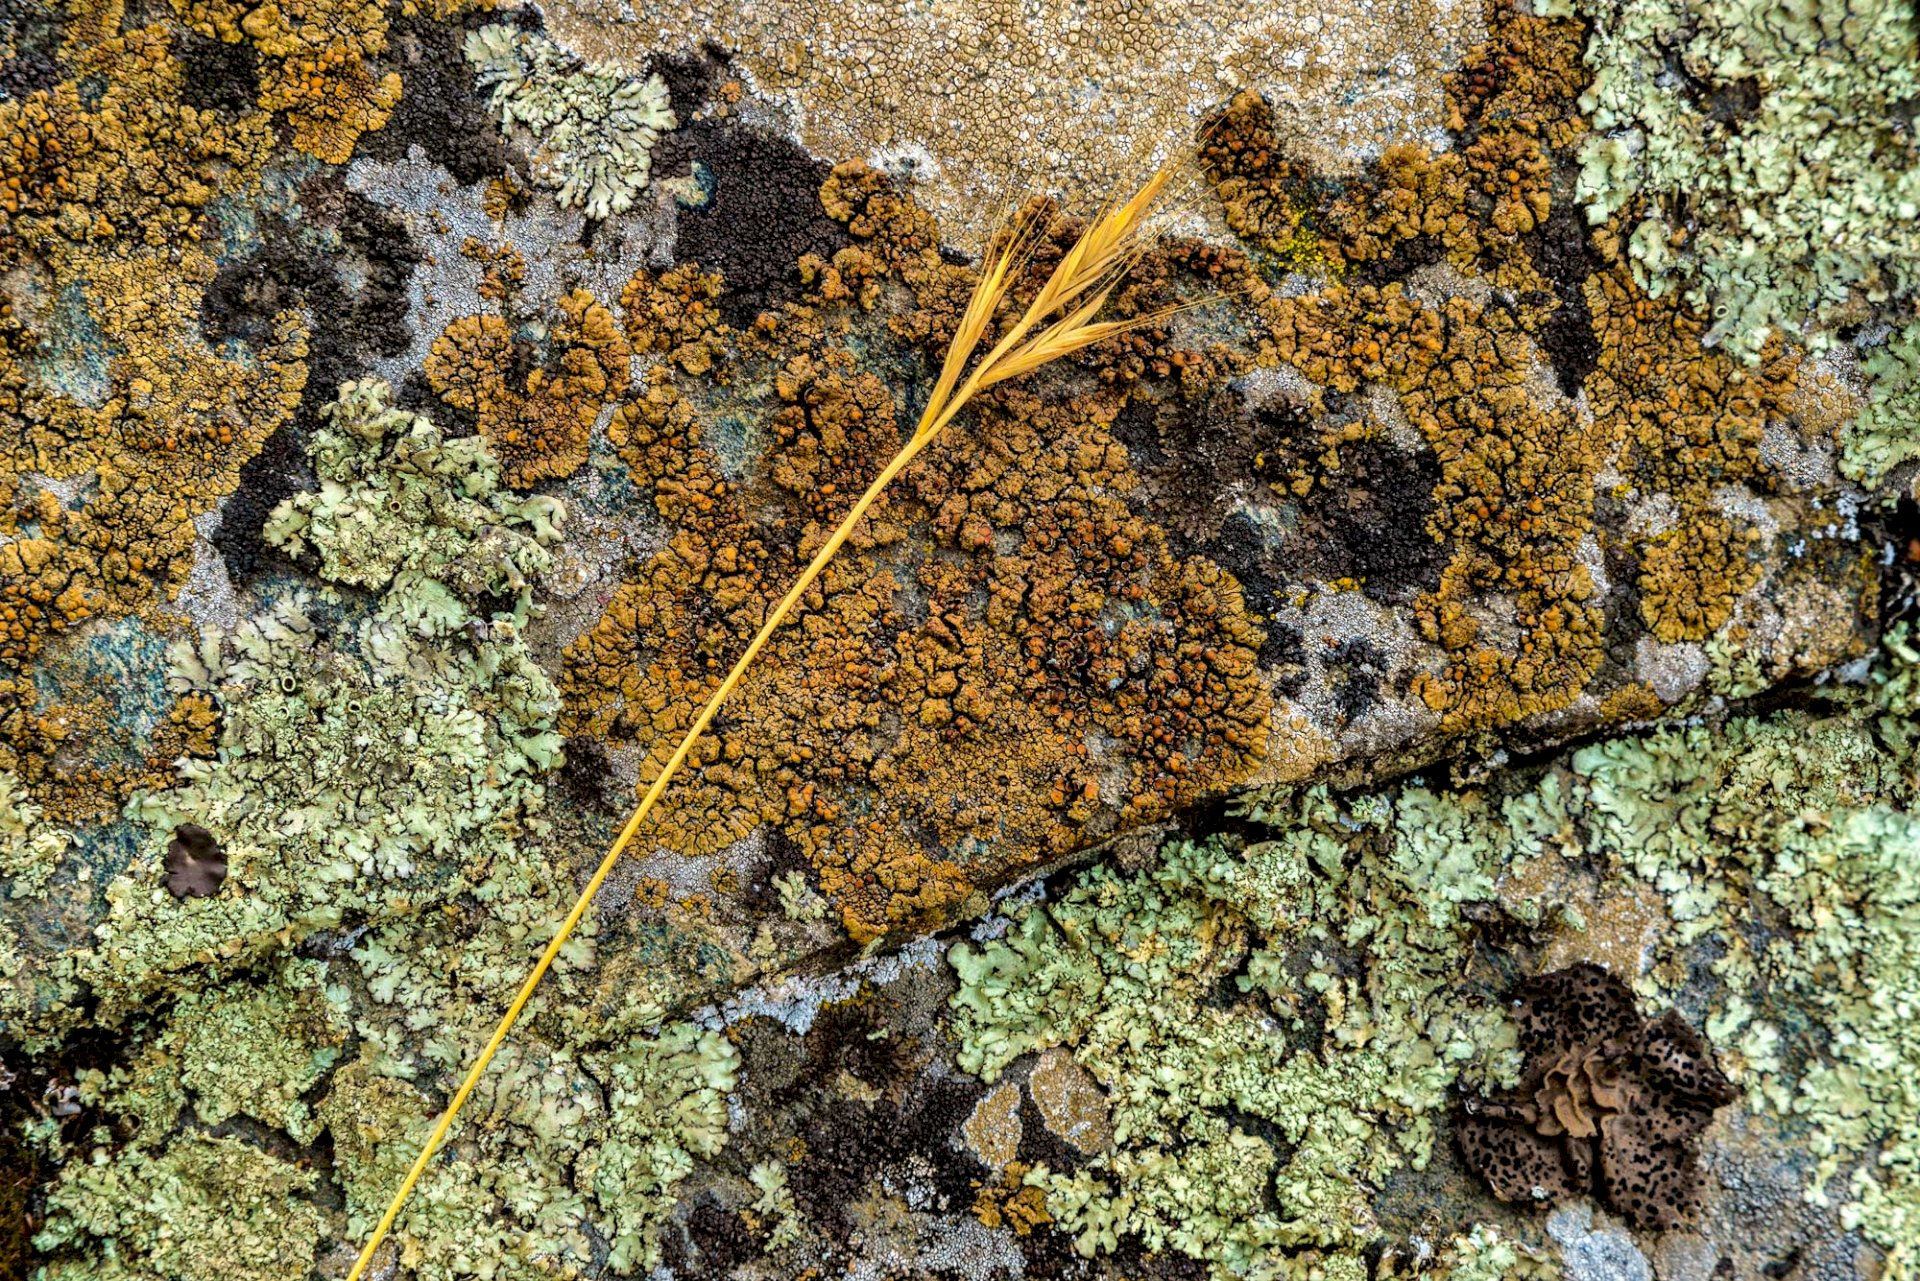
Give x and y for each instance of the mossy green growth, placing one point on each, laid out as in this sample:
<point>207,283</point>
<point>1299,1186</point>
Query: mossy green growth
<point>375,751</point>
<point>1887,432</point>
<point>594,127</point>
<point>1765,151</point>
<point>204,1209</point>
<point>1807,820</point>
<point>1352,1022</point>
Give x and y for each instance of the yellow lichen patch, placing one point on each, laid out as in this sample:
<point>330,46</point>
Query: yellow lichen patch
<point>676,314</point>
<point>1011,1202</point>
<point>106,197</point>
<point>1692,420</point>
<point>1002,663</point>
<point>47,746</point>
<point>314,64</point>
<point>538,427</point>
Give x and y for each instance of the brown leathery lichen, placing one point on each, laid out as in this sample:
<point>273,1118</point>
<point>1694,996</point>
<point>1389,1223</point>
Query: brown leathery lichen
<point>1608,1102</point>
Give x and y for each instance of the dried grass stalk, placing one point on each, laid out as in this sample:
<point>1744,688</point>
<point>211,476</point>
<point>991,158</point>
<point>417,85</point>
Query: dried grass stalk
<point>1056,323</point>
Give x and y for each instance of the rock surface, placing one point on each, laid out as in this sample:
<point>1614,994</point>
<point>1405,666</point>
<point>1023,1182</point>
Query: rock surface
<point>1130,860</point>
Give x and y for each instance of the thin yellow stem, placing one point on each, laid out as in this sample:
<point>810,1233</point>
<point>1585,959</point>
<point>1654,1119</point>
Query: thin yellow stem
<point>1111,244</point>
<point>780,611</point>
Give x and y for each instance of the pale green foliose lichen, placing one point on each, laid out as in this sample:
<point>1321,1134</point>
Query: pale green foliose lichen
<point>255,1051</point>
<point>372,752</point>
<point>383,754</point>
<point>1766,152</point>
<point>1357,911</point>
<point>1887,432</point>
<point>775,1204</point>
<point>799,902</point>
<point>1483,1254</point>
<point>204,1209</point>
<point>1352,1025</point>
<point>1807,820</point>
<point>594,127</point>
<point>30,850</point>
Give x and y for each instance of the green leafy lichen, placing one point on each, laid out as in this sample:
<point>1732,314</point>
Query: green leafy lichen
<point>30,850</point>
<point>205,1209</point>
<point>1790,842</point>
<point>1352,1024</point>
<point>1808,820</point>
<point>595,126</point>
<point>372,752</point>
<point>1887,432</point>
<point>254,1051</point>
<point>1761,151</point>
<point>383,755</point>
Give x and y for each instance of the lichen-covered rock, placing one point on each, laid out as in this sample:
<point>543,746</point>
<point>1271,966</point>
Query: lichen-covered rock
<point>1122,865</point>
<point>1766,178</point>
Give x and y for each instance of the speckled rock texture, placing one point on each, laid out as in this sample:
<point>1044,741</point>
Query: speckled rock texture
<point>1399,765</point>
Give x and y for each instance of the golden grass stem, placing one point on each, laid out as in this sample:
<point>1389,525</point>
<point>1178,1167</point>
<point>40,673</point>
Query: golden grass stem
<point>1104,251</point>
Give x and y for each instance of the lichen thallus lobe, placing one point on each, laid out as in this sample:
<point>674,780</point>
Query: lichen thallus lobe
<point>1059,321</point>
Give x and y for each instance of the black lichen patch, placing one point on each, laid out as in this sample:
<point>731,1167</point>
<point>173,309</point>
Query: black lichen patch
<point>586,780</point>
<point>763,216</point>
<point>711,1243</point>
<point>19,1176</point>
<point>1408,256</point>
<point>279,471</point>
<point>1244,550</point>
<point>196,865</point>
<point>1899,534</point>
<point>847,1147</point>
<point>355,301</point>
<point>1609,1104</point>
<point>1562,252</point>
<point>440,111</point>
<point>1374,521</point>
<point>219,76</point>
<point>1355,670</point>
<point>1198,466</point>
<point>689,78</point>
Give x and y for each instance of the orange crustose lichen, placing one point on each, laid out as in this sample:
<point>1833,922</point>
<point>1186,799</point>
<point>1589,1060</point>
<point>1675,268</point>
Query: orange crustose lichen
<point>107,389</point>
<point>1004,661</point>
<point>537,422</point>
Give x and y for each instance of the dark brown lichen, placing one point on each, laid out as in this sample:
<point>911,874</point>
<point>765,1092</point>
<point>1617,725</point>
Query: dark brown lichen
<point>1609,1103</point>
<point>196,865</point>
